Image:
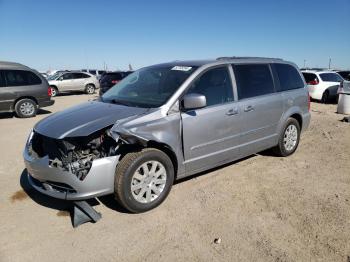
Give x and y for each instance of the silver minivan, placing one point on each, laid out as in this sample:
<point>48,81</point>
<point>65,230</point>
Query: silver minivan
<point>166,122</point>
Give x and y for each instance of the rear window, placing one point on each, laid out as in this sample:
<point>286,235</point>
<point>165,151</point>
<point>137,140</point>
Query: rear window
<point>310,77</point>
<point>21,78</point>
<point>331,77</point>
<point>289,77</point>
<point>112,76</point>
<point>253,80</point>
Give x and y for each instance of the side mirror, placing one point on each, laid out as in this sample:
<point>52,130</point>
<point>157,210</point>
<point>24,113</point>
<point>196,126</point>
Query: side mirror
<point>194,101</point>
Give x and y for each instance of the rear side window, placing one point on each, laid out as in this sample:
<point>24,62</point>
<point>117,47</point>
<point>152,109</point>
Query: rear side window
<point>21,78</point>
<point>331,77</point>
<point>289,77</point>
<point>253,80</point>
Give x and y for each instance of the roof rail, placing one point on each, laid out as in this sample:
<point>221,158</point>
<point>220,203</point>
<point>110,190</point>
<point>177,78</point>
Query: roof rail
<point>246,57</point>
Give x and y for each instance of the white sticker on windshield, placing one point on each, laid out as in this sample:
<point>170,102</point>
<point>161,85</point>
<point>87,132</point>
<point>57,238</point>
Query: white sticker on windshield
<point>182,68</point>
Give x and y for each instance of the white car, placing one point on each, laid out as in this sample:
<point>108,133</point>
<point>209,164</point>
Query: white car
<point>322,85</point>
<point>73,81</point>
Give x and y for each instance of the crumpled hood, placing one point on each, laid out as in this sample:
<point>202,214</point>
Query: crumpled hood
<point>84,119</point>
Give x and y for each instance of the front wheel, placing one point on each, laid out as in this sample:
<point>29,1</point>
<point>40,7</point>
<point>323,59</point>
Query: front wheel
<point>143,179</point>
<point>289,139</point>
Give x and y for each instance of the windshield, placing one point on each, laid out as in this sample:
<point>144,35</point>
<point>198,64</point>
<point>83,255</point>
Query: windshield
<point>331,77</point>
<point>54,76</point>
<point>149,87</point>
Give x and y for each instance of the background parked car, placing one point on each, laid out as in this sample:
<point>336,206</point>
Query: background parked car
<point>22,90</point>
<point>322,85</point>
<point>344,74</point>
<point>73,81</point>
<point>110,79</point>
<point>95,72</point>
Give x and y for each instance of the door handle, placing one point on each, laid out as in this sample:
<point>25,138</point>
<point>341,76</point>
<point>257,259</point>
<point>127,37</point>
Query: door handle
<point>248,108</point>
<point>231,112</point>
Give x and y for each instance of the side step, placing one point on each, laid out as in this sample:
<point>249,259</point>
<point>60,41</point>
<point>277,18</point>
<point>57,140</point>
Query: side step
<point>83,212</point>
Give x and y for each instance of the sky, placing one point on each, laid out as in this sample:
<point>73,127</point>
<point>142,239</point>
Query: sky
<point>90,34</point>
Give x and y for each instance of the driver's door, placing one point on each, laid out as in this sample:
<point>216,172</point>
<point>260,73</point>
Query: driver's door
<point>66,82</point>
<point>211,135</point>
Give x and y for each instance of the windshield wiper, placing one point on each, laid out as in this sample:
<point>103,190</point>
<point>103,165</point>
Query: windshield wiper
<point>121,102</point>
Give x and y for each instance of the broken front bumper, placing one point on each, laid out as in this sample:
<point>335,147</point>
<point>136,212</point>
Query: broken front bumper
<point>61,184</point>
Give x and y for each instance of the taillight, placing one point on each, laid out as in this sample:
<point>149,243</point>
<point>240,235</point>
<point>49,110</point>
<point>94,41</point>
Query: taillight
<point>49,91</point>
<point>308,101</point>
<point>115,81</point>
<point>341,87</point>
<point>313,82</point>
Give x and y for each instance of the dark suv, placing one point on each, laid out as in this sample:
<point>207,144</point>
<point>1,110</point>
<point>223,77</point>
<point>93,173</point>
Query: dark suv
<point>110,79</point>
<point>22,90</point>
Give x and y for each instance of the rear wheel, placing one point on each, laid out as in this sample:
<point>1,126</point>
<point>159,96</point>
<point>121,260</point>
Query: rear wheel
<point>289,139</point>
<point>25,108</point>
<point>325,97</point>
<point>54,91</point>
<point>143,179</point>
<point>89,89</point>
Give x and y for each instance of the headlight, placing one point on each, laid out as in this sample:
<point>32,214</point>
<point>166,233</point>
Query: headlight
<point>29,143</point>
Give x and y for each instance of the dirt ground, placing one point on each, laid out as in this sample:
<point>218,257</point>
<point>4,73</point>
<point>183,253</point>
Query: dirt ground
<point>263,208</point>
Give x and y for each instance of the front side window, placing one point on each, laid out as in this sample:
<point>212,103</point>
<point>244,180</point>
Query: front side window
<point>215,85</point>
<point>149,87</point>
<point>21,78</point>
<point>253,80</point>
<point>331,77</point>
<point>67,76</point>
<point>289,77</point>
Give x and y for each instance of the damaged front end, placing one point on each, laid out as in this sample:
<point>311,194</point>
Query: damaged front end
<point>74,154</point>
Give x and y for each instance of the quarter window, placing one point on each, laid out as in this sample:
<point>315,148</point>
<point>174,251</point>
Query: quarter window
<point>21,78</point>
<point>289,77</point>
<point>310,78</point>
<point>215,85</point>
<point>253,80</point>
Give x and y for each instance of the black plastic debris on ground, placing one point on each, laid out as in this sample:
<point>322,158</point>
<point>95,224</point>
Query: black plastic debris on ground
<point>83,213</point>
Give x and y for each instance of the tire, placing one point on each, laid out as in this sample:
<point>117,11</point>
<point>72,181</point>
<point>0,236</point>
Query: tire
<point>283,148</point>
<point>90,89</point>
<point>143,197</point>
<point>325,97</point>
<point>25,108</point>
<point>54,91</point>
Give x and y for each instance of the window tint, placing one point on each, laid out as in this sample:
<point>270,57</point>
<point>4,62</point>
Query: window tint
<point>79,75</point>
<point>310,77</point>
<point>289,77</point>
<point>21,78</point>
<point>253,80</point>
<point>331,77</point>
<point>2,79</point>
<point>92,72</point>
<point>67,76</point>
<point>215,84</point>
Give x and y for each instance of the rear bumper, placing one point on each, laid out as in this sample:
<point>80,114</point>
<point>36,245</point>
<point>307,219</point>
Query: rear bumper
<point>61,184</point>
<point>305,121</point>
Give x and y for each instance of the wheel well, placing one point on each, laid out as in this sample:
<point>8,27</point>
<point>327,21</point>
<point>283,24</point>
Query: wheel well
<point>90,84</point>
<point>127,148</point>
<point>298,118</point>
<point>167,150</point>
<point>53,86</point>
<point>23,97</point>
